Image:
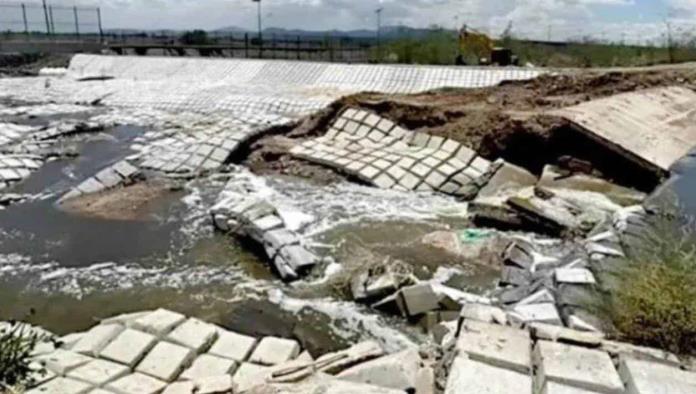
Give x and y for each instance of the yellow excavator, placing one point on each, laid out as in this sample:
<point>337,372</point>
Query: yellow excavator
<point>476,48</point>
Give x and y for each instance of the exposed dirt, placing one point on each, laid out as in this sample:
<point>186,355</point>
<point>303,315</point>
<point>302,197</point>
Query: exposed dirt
<point>126,203</point>
<point>507,121</point>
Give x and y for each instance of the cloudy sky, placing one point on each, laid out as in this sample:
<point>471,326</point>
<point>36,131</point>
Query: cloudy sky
<point>632,20</point>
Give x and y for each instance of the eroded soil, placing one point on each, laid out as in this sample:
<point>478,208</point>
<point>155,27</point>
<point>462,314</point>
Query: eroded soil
<point>509,121</point>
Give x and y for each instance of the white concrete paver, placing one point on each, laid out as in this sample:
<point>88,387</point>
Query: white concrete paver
<point>206,366</point>
<point>194,334</point>
<point>94,340</point>
<point>500,346</point>
<point>576,366</point>
<point>645,377</point>
<point>159,323</point>
<point>232,345</point>
<point>62,386</point>
<point>63,361</point>
<point>471,377</point>
<point>249,375</point>
<point>273,350</point>
<point>166,361</point>
<point>137,383</point>
<point>99,372</point>
<point>129,347</point>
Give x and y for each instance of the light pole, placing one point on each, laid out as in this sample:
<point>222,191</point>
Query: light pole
<point>258,2</point>
<point>379,33</point>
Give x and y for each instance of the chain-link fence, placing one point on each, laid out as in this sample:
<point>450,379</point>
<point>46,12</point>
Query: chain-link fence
<point>46,18</point>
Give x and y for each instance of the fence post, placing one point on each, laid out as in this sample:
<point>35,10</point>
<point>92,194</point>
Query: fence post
<point>48,26</point>
<point>246,45</point>
<point>50,16</point>
<point>299,47</point>
<point>77,22</point>
<point>99,21</point>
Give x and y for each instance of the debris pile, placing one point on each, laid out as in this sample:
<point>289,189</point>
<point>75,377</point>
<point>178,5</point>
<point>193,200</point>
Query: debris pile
<point>164,351</point>
<point>243,212</point>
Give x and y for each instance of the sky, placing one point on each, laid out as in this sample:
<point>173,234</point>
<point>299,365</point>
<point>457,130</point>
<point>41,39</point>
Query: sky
<point>628,20</point>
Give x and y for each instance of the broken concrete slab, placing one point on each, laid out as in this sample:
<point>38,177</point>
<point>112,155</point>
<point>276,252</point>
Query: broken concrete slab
<point>500,346</point>
<point>159,322</point>
<point>484,313</point>
<point>324,384</point>
<point>472,377</point>
<point>654,127</point>
<point>195,334</point>
<point>419,299</point>
<point>561,334</point>
<point>543,313</point>
<point>397,371</point>
<point>576,366</point>
<point>508,176</point>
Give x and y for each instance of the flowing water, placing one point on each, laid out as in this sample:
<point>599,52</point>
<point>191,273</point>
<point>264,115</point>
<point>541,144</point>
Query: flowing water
<point>71,269</point>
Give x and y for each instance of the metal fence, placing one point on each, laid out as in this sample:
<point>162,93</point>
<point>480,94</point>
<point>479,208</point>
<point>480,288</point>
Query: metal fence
<point>46,18</point>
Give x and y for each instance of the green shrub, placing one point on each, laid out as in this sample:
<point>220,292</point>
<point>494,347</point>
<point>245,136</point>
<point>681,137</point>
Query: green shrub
<point>17,341</point>
<point>654,303</point>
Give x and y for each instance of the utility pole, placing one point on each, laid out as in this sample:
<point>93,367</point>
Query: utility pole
<point>379,33</point>
<point>258,3</point>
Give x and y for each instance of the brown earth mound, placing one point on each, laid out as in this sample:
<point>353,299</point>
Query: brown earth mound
<point>506,121</point>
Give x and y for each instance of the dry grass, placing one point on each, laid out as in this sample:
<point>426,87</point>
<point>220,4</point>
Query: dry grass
<point>655,301</point>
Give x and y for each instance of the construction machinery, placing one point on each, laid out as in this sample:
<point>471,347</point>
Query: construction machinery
<point>476,48</point>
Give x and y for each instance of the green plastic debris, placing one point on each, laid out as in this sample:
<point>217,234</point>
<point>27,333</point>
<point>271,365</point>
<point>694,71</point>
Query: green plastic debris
<point>473,235</point>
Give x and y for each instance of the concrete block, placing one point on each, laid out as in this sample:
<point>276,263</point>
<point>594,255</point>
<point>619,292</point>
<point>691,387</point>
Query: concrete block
<point>581,276</point>
<point>160,322</point>
<point>472,377</point>
<point>419,299</point>
<point>543,313</point>
<point>398,371</point>
<point>125,169</point>
<point>579,367</point>
<point>249,375</point>
<point>562,334</point>
<point>643,377</point>
<point>195,334</point>
<point>63,361</point>
<point>500,346</point>
<point>555,388</point>
<point>484,313</point>
<point>99,372</point>
<point>215,385</point>
<point>126,318</point>
<point>166,361</point>
<point>206,365</point>
<point>273,350</point>
<point>180,388</point>
<point>232,345</point>
<point>62,386</point>
<point>129,347</point>
<point>137,383</point>
<point>94,340</point>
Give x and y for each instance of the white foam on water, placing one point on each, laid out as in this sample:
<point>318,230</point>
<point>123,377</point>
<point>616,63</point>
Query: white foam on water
<point>350,321</point>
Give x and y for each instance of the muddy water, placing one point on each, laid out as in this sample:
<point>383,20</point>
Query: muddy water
<point>73,269</point>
